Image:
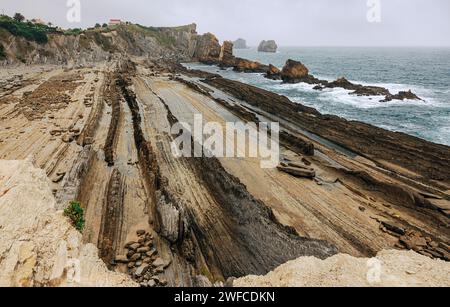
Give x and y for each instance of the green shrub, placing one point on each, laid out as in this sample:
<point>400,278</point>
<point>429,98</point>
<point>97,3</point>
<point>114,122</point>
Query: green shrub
<point>27,30</point>
<point>76,31</point>
<point>75,213</point>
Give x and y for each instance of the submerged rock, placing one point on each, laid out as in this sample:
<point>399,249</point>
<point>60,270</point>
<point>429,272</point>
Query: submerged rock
<point>268,46</point>
<point>409,95</point>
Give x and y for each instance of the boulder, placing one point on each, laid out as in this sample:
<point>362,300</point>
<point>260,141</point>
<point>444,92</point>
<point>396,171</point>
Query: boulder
<point>143,249</point>
<point>268,46</point>
<point>142,270</point>
<point>294,71</point>
<point>273,73</point>
<point>135,257</point>
<point>122,259</point>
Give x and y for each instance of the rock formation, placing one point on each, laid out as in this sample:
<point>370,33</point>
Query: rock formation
<point>273,73</point>
<point>226,55</point>
<point>389,269</point>
<point>207,49</point>
<point>294,72</point>
<point>402,96</point>
<point>240,43</point>
<point>268,46</point>
<point>38,246</point>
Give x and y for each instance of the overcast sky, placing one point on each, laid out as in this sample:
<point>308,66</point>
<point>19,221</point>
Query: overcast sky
<point>289,22</point>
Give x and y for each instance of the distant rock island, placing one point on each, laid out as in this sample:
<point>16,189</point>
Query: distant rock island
<point>240,43</point>
<point>268,46</point>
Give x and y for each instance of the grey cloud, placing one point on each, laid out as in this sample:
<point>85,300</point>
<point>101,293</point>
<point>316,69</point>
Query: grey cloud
<point>290,22</point>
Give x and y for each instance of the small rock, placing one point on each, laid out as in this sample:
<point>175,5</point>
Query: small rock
<point>141,270</point>
<point>362,209</point>
<point>131,265</point>
<point>135,257</point>
<point>152,252</point>
<point>229,282</point>
<point>134,246</point>
<point>140,232</point>
<point>122,259</point>
<point>143,249</point>
<point>151,284</point>
<point>67,138</point>
<point>138,263</point>
<point>159,262</point>
<point>129,244</point>
<point>163,282</point>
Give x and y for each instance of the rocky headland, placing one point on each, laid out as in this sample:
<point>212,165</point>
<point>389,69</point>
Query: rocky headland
<point>95,109</point>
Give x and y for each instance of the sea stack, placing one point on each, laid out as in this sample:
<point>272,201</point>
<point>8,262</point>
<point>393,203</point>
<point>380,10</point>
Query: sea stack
<point>268,46</point>
<point>240,43</point>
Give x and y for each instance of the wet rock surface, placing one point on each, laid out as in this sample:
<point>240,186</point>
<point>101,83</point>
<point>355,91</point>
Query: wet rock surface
<point>429,160</point>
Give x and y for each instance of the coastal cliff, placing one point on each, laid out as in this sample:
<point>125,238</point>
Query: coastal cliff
<point>100,44</point>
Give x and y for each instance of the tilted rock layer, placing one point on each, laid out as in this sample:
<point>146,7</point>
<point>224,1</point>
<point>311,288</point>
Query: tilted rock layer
<point>388,269</point>
<point>39,246</point>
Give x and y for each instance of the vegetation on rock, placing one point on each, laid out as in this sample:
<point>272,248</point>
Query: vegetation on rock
<point>75,213</point>
<point>27,30</point>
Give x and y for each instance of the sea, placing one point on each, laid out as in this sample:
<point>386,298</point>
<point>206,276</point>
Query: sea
<point>425,71</point>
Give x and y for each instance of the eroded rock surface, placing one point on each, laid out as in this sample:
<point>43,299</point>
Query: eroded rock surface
<point>389,269</point>
<point>38,246</point>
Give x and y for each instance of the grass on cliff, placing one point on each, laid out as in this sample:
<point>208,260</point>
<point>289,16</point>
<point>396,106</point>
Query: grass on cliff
<point>75,213</point>
<point>28,30</point>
